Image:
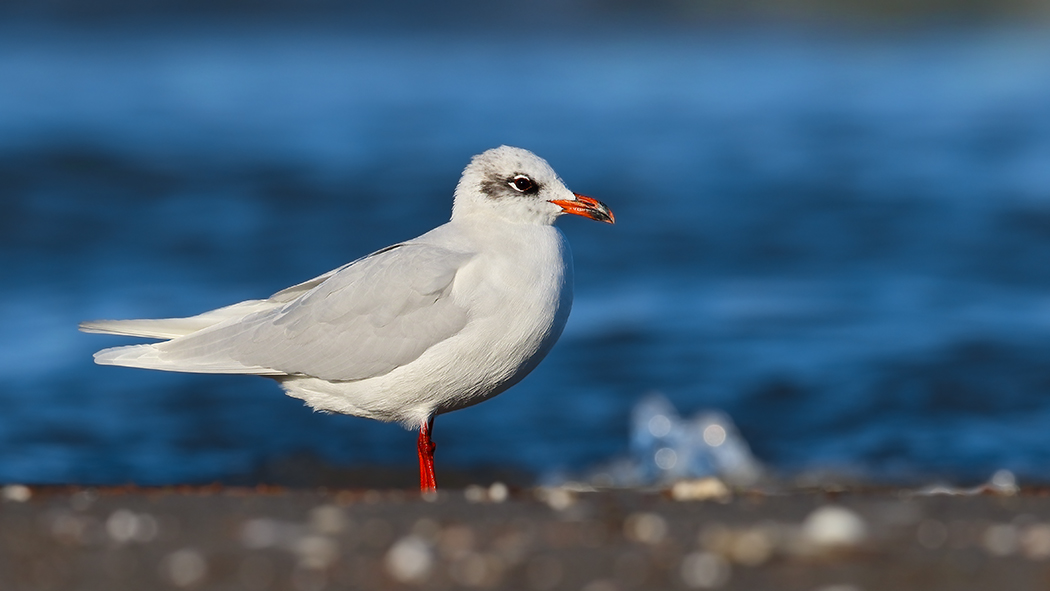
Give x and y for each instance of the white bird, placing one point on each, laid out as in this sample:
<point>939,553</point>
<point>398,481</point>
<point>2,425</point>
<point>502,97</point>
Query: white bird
<point>417,329</point>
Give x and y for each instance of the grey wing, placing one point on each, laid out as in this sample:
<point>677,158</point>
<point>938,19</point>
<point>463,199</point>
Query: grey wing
<point>363,320</point>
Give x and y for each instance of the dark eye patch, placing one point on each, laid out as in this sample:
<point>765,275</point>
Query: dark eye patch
<point>523,184</point>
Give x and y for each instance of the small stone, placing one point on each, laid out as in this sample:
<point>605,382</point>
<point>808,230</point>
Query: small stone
<point>316,552</point>
<point>409,560</point>
<point>1035,541</point>
<point>558,499</point>
<point>328,519</point>
<point>701,489</point>
<point>498,492</point>
<point>19,493</point>
<point>1001,539</point>
<point>704,570</point>
<point>834,526</point>
<point>124,526</point>
<point>184,567</point>
<point>261,533</point>
<point>648,528</point>
<point>475,494</point>
<point>751,547</point>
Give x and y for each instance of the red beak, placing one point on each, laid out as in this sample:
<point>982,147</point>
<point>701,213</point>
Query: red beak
<point>587,207</point>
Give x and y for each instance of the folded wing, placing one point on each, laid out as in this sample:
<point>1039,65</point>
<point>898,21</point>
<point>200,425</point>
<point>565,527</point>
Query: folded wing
<point>362,320</point>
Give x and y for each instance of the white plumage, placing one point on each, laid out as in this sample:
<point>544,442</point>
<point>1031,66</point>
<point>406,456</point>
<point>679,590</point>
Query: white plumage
<point>420,328</point>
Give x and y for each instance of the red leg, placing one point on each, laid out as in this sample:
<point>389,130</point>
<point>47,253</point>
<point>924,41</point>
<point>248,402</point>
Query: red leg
<point>425,446</point>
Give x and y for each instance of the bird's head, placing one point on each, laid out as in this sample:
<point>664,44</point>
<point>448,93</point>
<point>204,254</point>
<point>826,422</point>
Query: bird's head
<point>521,187</point>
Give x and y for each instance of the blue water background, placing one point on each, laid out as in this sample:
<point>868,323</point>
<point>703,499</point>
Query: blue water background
<point>839,238</point>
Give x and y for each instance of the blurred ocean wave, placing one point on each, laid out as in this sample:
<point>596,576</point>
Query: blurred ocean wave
<point>839,241</point>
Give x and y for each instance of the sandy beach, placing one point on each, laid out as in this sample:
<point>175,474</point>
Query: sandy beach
<point>499,537</point>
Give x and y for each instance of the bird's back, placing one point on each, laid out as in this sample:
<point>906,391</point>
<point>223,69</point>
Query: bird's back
<point>516,307</point>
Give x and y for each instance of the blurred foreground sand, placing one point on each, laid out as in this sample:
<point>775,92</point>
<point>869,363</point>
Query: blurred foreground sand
<point>495,537</point>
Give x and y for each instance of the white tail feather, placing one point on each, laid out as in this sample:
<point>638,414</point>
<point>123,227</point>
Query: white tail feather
<point>152,357</point>
<point>164,328</point>
<point>149,357</point>
<point>170,328</point>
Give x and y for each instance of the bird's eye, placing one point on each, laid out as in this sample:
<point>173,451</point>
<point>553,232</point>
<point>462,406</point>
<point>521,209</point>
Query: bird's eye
<point>523,184</point>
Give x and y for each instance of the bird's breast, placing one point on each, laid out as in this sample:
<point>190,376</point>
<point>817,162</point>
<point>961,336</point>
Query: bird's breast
<point>518,298</point>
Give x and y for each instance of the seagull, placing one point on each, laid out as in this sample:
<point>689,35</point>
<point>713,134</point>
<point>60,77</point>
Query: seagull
<point>420,328</point>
